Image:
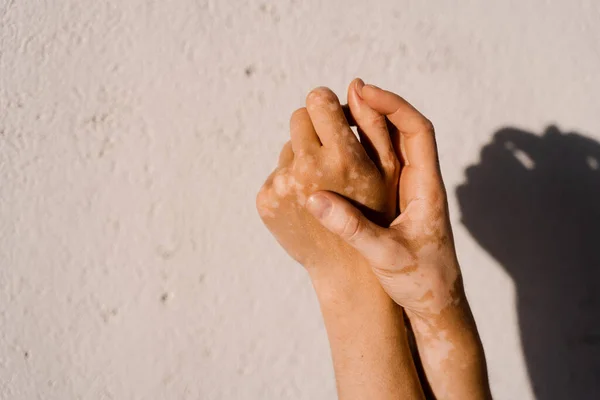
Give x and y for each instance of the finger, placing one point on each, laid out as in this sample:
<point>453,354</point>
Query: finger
<point>286,157</point>
<point>417,134</point>
<point>374,135</point>
<point>343,219</point>
<point>302,132</point>
<point>328,119</point>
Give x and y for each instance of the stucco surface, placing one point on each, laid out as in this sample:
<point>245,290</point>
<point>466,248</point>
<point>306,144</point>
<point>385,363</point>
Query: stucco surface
<point>134,136</point>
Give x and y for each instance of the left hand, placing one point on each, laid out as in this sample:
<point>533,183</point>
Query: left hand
<point>324,154</point>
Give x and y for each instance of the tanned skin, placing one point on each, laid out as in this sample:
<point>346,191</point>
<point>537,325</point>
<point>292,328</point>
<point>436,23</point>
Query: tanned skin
<point>333,204</point>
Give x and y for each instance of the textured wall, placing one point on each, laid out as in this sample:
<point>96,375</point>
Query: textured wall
<point>135,133</point>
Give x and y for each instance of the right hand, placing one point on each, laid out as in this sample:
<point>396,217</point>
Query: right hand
<point>414,258</point>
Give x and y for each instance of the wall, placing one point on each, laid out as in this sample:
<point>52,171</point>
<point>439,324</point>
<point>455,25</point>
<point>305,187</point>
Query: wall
<point>134,135</point>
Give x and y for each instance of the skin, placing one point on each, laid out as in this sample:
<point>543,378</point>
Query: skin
<point>414,258</point>
<point>366,331</point>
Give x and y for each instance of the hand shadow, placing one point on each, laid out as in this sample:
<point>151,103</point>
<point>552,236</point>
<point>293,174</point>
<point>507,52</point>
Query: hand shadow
<point>533,202</point>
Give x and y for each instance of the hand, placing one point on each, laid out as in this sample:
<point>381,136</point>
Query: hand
<point>414,258</point>
<point>324,154</point>
<point>370,352</point>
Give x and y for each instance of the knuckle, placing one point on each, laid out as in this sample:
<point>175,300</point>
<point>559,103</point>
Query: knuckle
<point>427,125</point>
<point>352,228</point>
<point>262,197</point>
<point>343,165</point>
<point>287,146</point>
<point>390,163</point>
<point>306,166</point>
<point>346,156</point>
<point>304,174</point>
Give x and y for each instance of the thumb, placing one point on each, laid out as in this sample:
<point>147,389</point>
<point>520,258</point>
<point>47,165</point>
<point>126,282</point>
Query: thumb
<point>343,219</point>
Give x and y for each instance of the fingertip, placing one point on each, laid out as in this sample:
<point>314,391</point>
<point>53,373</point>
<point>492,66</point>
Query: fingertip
<point>355,100</point>
<point>329,120</point>
<point>355,91</point>
<point>298,115</point>
<point>320,95</point>
<point>359,84</point>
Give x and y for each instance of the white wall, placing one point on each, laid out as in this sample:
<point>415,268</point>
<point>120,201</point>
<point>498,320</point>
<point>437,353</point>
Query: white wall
<point>134,135</point>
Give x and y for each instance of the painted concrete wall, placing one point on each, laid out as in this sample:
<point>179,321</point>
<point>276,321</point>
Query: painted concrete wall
<point>134,135</point>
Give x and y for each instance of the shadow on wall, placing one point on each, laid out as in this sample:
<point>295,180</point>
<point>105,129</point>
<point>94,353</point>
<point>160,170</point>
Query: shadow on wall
<point>533,202</point>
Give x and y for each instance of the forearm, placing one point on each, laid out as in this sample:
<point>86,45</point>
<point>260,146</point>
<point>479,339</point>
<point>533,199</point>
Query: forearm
<point>451,352</point>
<point>367,335</point>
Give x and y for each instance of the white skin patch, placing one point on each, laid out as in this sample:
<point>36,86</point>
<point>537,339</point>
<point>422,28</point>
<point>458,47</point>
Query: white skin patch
<point>318,99</point>
<point>312,104</point>
<point>353,174</point>
<point>437,345</point>
<point>349,189</point>
<point>304,162</point>
<point>264,203</point>
<point>431,227</point>
<point>301,198</point>
<point>303,167</point>
<point>432,282</point>
<point>280,186</point>
<point>438,351</point>
<point>295,184</point>
<point>427,288</point>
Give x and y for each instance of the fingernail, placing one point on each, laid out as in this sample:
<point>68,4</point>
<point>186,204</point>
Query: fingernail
<point>373,87</point>
<point>359,86</point>
<point>319,206</point>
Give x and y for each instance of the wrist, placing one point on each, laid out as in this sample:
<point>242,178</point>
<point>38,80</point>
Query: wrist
<point>342,282</point>
<point>439,294</point>
<point>452,309</point>
<point>366,332</point>
<point>455,321</point>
